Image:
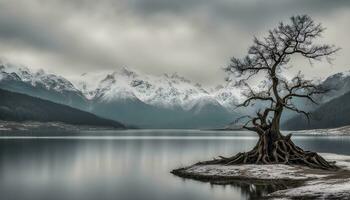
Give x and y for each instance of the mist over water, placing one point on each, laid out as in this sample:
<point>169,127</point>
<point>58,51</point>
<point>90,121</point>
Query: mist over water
<point>123,166</point>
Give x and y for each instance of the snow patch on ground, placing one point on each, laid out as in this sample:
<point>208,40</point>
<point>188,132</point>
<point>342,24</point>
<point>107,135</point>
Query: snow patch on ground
<point>319,189</point>
<point>342,161</point>
<point>318,184</point>
<point>264,172</point>
<point>332,186</point>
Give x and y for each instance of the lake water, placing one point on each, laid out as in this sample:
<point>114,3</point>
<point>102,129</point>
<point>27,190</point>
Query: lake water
<point>127,165</point>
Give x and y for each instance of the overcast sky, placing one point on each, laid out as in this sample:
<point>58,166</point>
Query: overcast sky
<point>195,38</point>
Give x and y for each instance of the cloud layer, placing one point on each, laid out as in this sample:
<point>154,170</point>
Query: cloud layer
<point>193,37</point>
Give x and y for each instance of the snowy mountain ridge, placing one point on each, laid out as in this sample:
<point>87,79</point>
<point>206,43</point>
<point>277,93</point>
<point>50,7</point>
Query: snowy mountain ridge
<point>167,90</point>
<point>34,78</point>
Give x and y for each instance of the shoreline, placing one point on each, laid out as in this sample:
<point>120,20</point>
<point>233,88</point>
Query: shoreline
<point>284,181</point>
<point>35,128</point>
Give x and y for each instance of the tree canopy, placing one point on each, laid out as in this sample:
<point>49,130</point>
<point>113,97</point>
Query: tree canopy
<point>270,56</point>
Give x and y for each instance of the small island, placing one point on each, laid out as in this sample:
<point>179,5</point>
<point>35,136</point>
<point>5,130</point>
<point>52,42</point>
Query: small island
<point>283,181</point>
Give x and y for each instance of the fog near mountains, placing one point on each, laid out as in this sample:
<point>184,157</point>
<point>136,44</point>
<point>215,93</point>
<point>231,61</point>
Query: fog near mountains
<point>192,37</point>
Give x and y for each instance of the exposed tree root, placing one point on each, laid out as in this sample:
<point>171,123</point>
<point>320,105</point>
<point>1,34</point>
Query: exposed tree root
<point>280,151</point>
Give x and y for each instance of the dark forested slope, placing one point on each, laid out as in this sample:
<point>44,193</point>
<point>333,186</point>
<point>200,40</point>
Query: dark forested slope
<point>21,107</point>
<point>332,114</point>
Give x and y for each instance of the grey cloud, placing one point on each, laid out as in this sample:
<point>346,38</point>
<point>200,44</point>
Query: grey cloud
<point>250,13</point>
<point>186,36</point>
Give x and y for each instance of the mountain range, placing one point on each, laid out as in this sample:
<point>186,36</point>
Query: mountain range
<point>40,84</point>
<point>146,101</point>
<point>128,96</point>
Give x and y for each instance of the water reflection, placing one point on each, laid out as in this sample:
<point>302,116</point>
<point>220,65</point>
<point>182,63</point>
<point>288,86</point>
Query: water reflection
<point>125,168</point>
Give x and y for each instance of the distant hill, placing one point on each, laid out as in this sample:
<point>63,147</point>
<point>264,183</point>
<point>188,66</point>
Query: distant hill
<point>332,114</point>
<point>21,107</point>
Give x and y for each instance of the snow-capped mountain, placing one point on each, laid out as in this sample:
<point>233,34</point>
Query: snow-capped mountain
<point>34,78</point>
<point>338,84</point>
<point>227,95</point>
<point>166,91</point>
<point>40,84</point>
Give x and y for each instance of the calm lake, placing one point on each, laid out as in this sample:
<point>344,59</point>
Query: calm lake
<point>127,165</point>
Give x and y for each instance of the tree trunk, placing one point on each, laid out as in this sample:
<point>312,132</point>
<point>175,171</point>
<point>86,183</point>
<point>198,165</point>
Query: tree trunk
<point>274,148</point>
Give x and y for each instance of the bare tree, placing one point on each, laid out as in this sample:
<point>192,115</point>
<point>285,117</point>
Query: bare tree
<point>270,57</point>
